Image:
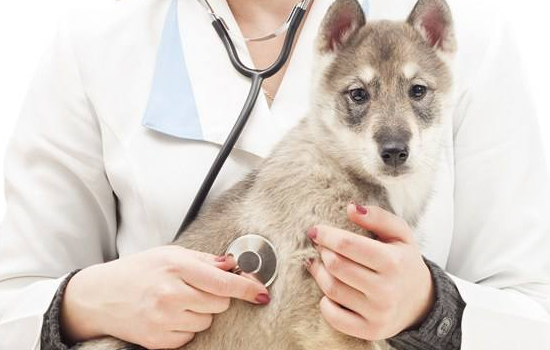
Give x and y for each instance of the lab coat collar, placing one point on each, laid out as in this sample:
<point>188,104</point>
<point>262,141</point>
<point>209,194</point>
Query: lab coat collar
<point>196,94</point>
<point>171,107</point>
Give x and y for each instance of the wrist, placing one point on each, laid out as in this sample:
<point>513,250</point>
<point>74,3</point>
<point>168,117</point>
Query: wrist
<point>428,297</point>
<point>441,329</point>
<point>79,316</point>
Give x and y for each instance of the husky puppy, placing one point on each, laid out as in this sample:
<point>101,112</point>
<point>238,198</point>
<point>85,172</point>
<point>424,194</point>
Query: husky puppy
<point>372,136</point>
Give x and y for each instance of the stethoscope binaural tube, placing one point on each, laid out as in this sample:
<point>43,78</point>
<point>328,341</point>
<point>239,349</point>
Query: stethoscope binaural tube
<point>257,77</point>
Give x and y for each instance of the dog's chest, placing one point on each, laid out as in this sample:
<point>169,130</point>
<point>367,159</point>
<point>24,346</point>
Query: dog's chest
<point>408,198</point>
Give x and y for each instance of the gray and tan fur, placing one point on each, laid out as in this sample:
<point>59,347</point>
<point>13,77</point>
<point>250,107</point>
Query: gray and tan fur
<point>381,151</point>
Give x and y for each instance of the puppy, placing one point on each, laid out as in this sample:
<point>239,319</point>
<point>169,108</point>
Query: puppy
<point>372,136</point>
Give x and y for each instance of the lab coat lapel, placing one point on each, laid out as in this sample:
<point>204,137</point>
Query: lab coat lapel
<point>196,93</point>
<point>171,107</point>
<point>221,90</point>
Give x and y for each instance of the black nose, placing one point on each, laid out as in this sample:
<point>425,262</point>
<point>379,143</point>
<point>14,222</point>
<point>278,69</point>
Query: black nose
<point>394,153</point>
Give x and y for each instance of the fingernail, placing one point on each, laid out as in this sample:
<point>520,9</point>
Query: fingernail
<point>361,209</point>
<point>312,233</point>
<point>309,262</point>
<point>221,258</point>
<point>263,298</point>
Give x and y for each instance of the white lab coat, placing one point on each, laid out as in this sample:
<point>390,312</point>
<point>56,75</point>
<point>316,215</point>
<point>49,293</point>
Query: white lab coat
<point>110,150</point>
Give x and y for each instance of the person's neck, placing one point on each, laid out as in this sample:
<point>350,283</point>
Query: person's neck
<point>261,13</point>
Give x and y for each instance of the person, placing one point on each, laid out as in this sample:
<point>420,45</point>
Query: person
<point>128,110</point>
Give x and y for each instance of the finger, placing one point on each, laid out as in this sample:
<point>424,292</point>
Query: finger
<point>190,321</point>
<point>349,272</point>
<point>206,257</point>
<point>363,250</point>
<point>224,262</point>
<point>166,340</point>
<point>200,301</point>
<point>387,226</point>
<point>222,283</point>
<point>342,320</point>
<point>335,290</point>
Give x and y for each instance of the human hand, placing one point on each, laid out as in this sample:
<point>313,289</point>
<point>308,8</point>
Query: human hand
<point>374,289</point>
<point>158,298</point>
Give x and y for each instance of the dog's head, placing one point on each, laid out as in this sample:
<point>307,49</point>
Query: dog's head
<point>382,87</point>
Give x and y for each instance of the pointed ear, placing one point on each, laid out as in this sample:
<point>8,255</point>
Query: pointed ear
<point>342,20</point>
<point>433,19</point>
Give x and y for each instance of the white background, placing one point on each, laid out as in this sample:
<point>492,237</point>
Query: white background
<point>27,28</point>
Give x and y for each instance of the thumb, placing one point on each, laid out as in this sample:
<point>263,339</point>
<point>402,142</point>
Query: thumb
<point>387,226</point>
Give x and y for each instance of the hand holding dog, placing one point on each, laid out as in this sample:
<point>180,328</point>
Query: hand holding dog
<point>158,298</point>
<point>374,289</point>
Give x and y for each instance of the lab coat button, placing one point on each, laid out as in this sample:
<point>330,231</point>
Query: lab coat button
<point>444,327</point>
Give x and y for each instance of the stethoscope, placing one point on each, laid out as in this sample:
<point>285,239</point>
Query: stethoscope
<point>255,254</point>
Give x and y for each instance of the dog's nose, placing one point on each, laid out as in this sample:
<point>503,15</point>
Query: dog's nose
<point>394,153</point>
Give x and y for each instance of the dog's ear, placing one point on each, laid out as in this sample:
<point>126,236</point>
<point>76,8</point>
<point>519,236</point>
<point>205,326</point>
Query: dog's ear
<point>433,19</point>
<point>342,20</point>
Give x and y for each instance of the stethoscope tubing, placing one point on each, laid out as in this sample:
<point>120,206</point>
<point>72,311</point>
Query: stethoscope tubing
<point>257,77</point>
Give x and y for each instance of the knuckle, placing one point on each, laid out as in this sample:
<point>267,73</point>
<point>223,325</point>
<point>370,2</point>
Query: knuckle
<point>171,264</point>
<point>333,262</point>
<point>164,294</point>
<point>250,290</point>
<point>343,244</point>
<point>331,290</point>
<point>394,262</point>
<point>221,285</point>
<point>155,318</point>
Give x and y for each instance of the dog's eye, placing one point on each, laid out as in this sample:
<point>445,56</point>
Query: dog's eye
<point>418,92</point>
<point>359,95</point>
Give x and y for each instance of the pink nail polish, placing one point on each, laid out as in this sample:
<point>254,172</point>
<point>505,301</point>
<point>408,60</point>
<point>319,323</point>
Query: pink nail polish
<point>222,258</point>
<point>312,233</point>
<point>263,298</point>
<point>361,209</point>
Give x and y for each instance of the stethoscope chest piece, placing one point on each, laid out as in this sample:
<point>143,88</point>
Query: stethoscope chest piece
<point>256,257</point>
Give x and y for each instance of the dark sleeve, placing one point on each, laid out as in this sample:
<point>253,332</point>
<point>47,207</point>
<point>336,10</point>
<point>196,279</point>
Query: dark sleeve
<point>441,330</point>
<point>51,334</point>
<point>51,338</point>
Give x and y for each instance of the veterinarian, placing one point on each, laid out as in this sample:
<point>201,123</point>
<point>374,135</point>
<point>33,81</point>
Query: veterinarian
<point>122,121</point>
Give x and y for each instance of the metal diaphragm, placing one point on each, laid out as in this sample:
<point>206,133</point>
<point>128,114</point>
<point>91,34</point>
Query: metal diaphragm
<point>256,257</point>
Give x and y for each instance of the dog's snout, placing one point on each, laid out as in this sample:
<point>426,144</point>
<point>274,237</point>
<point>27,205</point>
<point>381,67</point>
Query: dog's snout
<point>394,153</point>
